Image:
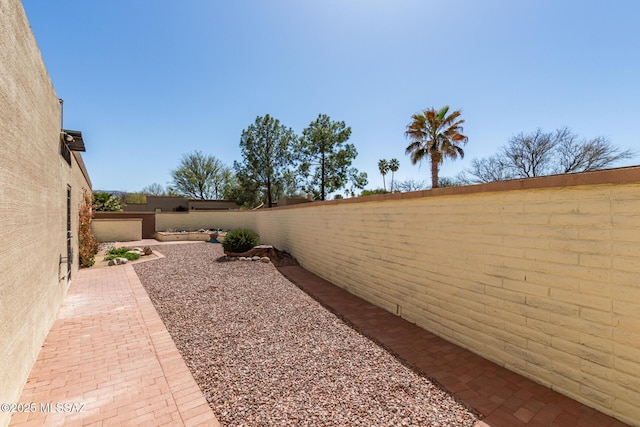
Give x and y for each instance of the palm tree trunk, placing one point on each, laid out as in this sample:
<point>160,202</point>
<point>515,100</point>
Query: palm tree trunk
<point>434,171</point>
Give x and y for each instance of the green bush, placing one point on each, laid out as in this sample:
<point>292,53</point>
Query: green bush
<point>121,253</point>
<point>240,240</point>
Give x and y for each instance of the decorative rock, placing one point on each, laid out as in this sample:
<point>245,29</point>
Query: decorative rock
<point>255,258</point>
<point>118,261</point>
<point>123,260</point>
<point>265,259</point>
<point>147,250</point>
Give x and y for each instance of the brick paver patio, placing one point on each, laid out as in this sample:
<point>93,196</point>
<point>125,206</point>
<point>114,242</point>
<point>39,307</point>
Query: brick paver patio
<point>503,398</point>
<point>109,351</point>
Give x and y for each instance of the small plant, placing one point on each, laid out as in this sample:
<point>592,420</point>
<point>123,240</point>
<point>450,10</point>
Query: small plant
<point>121,253</point>
<point>240,240</point>
<point>87,243</point>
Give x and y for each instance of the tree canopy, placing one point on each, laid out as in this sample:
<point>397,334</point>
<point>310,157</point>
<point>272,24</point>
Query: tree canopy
<point>436,135</point>
<point>154,189</point>
<point>199,176</point>
<point>394,165</point>
<point>266,148</point>
<point>541,153</point>
<point>326,158</point>
<point>106,202</point>
<point>383,167</point>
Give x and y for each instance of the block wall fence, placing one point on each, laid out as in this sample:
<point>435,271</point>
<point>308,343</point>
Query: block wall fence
<point>117,230</point>
<point>541,276</point>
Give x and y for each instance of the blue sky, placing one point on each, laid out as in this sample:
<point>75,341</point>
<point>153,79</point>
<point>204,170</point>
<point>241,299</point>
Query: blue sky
<point>149,80</point>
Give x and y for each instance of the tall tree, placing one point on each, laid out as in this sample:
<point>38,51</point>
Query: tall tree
<point>541,153</point>
<point>383,167</point>
<point>154,189</point>
<point>199,176</point>
<point>326,159</point>
<point>266,149</point>
<point>436,135</point>
<point>394,165</point>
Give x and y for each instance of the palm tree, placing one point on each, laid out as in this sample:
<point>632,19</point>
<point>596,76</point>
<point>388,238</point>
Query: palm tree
<point>383,167</point>
<point>436,135</point>
<point>394,164</point>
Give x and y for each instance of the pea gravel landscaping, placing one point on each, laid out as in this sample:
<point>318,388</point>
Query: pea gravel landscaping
<point>266,354</point>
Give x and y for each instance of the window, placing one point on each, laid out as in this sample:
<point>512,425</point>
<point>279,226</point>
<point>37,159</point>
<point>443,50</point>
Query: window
<point>64,151</point>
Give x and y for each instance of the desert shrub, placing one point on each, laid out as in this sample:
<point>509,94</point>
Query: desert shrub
<point>121,253</point>
<point>240,240</point>
<point>87,243</point>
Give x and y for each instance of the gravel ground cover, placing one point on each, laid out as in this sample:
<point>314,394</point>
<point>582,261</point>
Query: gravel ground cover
<point>266,354</point>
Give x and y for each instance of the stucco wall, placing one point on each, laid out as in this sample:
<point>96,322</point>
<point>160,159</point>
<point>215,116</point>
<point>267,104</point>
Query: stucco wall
<point>540,276</point>
<point>195,220</point>
<point>33,187</point>
<point>117,230</point>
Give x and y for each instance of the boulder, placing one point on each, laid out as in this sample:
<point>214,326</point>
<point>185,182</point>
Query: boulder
<point>118,261</point>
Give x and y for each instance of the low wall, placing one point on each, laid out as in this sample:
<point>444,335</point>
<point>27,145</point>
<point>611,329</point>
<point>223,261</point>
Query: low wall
<point>177,237</point>
<point>148,220</point>
<point>540,275</point>
<point>209,220</point>
<point>117,230</point>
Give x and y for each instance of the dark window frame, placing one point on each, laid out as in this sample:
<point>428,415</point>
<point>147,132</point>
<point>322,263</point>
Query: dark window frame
<point>65,152</point>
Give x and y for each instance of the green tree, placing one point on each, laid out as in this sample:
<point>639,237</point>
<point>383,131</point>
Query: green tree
<point>106,202</point>
<point>325,158</point>
<point>383,167</point>
<point>199,176</point>
<point>245,192</point>
<point>394,165</point>
<point>436,135</point>
<point>266,148</point>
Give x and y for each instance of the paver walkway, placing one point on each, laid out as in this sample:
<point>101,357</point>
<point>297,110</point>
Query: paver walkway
<point>109,352</point>
<point>504,398</point>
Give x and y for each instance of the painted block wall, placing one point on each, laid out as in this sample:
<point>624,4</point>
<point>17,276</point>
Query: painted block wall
<point>33,205</point>
<point>196,220</point>
<point>541,276</point>
<point>117,230</point>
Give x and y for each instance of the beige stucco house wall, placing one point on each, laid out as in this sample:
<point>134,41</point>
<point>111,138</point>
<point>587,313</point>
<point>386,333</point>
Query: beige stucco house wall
<point>34,179</point>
